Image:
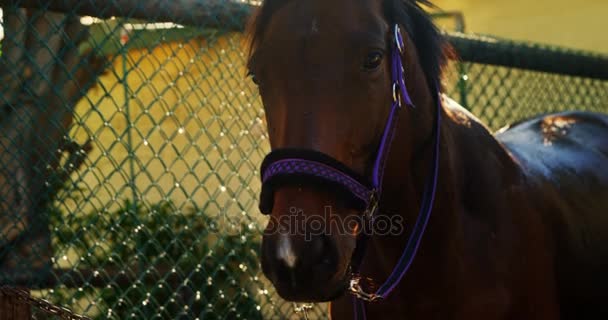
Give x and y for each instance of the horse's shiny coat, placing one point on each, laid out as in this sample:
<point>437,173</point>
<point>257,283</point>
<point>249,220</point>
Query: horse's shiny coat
<point>519,228</point>
<point>565,160</point>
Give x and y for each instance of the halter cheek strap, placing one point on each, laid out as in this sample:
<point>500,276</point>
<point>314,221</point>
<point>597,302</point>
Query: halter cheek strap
<point>360,296</point>
<point>286,165</point>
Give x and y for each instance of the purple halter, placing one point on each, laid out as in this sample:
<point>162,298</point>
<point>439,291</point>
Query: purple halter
<point>284,165</point>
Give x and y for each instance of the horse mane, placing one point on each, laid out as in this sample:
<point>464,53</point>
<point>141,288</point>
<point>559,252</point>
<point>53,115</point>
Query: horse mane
<point>430,44</point>
<point>427,38</point>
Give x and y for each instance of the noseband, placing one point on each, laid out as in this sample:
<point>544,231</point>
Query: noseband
<point>284,165</point>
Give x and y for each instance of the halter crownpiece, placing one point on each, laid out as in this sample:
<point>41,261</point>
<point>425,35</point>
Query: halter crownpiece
<point>285,165</point>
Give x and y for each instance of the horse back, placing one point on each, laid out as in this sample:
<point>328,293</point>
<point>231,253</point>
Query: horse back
<point>565,159</point>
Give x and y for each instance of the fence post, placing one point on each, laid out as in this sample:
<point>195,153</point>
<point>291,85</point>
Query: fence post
<point>13,309</point>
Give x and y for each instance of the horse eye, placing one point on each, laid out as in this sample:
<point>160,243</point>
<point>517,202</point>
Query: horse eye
<point>373,60</point>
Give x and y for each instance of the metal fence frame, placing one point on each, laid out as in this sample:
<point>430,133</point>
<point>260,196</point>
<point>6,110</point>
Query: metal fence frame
<point>472,49</point>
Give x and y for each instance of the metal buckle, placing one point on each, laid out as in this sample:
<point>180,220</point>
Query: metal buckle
<point>372,205</point>
<point>396,94</point>
<point>356,290</point>
<point>399,38</point>
<point>302,309</point>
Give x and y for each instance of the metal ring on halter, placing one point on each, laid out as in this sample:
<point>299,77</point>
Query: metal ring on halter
<point>356,290</point>
<point>372,207</point>
<point>398,38</point>
<point>397,94</point>
<point>302,309</point>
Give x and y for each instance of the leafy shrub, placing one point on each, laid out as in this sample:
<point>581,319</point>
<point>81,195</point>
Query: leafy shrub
<point>175,261</point>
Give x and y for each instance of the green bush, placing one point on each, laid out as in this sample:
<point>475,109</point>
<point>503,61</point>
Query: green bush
<point>183,266</point>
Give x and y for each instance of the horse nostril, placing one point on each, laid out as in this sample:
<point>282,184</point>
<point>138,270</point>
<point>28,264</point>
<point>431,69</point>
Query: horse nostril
<point>326,261</point>
<point>321,251</point>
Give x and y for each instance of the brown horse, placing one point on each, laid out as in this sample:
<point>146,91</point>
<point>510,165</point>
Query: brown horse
<point>519,222</point>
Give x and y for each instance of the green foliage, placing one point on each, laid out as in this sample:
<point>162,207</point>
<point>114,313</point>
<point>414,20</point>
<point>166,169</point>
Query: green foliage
<point>181,265</point>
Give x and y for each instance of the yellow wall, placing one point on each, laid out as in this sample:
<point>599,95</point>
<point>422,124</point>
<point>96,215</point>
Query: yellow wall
<point>579,24</point>
<point>196,130</point>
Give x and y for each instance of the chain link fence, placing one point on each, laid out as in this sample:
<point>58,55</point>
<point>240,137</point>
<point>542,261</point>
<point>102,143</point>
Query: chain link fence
<point>130,150</point>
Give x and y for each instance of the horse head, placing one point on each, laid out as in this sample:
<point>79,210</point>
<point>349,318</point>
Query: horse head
<point>326,74</point>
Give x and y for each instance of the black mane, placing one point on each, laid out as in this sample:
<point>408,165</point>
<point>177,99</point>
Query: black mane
<point>427,38</point>
<point>429,42</point>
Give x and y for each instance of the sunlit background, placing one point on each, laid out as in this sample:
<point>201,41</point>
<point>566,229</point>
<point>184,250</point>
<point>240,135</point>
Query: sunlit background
<point>577,24</point>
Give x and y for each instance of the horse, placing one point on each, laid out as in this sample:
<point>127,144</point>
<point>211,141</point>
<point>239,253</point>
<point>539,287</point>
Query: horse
<point>389,200</point>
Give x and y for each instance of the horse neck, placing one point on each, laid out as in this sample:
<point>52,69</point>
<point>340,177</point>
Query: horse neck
<point>472,163</point>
